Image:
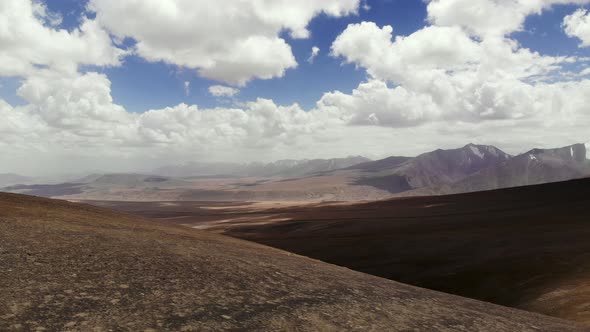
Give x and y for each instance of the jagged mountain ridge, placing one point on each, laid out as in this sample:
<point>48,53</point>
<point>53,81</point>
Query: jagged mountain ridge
<point>536,166</point>
<point>431,169</point>
<point>466,169</point>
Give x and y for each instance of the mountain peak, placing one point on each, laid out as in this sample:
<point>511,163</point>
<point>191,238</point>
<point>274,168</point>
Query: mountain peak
<point>575,152</point>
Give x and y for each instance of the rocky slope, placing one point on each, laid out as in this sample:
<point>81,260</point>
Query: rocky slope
<point>525,247</point>
<point>72,267</point>
<point>534,167</point>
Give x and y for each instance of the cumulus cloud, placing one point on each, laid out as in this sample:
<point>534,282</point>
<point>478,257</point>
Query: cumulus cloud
<point>442,73</point>
<point>486,18</point>
<point>577,25</point>
<point>374,103</point>
<point>233,43</point>
<point>32,41</point>
<point>314,52</point>
<point>75,118</point>
<point>223,91</point>
<point>459,79</point>
<point>77,115</point>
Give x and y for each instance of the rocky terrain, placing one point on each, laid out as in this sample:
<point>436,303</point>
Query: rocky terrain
<point>534,167</point>
<point>524,247</point>
<point>73,267</point>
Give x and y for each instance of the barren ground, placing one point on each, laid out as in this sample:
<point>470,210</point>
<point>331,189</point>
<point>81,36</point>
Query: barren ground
<point>523,247</point>
<point>73,267</point>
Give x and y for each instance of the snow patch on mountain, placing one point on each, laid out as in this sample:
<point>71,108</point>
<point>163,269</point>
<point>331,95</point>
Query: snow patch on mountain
<point>476,151</point>
<point>492,150</point>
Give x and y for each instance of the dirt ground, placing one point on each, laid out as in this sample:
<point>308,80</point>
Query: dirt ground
<point>73,267</point>
<point>524,247</point>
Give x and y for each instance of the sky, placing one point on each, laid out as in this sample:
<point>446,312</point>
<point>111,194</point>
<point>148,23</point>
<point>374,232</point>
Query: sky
<point>131,85</point>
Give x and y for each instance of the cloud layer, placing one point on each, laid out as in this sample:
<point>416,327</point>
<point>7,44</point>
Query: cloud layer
<point>232,43</point>
<point>28,41</point>
<point>460,78</point>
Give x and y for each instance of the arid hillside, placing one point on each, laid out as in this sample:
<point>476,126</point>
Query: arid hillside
<point>73,267</point>
<point>525,247</point>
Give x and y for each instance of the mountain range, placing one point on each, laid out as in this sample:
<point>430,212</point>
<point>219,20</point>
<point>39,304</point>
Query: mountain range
<point>473,168</point>
<point>465,169</point>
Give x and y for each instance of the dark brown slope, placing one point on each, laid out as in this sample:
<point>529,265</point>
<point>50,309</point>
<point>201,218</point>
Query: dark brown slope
<point>526,247</point>
<point>66,266</point>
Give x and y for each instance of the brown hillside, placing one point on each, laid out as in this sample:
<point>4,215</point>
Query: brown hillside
<point>524,247</point>
<point>67,266</point>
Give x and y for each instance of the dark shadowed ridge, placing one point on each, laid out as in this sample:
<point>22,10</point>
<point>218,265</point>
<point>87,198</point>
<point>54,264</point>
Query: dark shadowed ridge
<point>525,247</point>
<point>67,266</point>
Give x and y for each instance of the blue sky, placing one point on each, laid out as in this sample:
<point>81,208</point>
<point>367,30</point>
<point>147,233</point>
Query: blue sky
<point>77,83</point>
<point>305,84</point>
<point>140,85</point>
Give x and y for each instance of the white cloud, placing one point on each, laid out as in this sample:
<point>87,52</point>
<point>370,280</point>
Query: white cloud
<point>30,39</point>
<point>232,43</point>
<point>373,103</point>
<point>42,13</point>
<point>577,25</point>
<point>223,91</point>
<point>74,118</point>
<point>314,53</point>
<point>76,115</point>
<point>444,74</point>
<point>77,107</point>
<point>455,81</point>
<point>486,18</point>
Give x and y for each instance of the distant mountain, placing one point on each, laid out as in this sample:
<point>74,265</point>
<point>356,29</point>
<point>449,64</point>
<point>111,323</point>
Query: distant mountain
<point>295,168</point>
<point>9,179</point>
<point>195,169</point>
<point>534,167</point>
<point>281,168</point>
<point>128,179</point>
<point>102,183</point>
<point>466,169</point>
<point>428,170</point>
<point>380,165</point>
